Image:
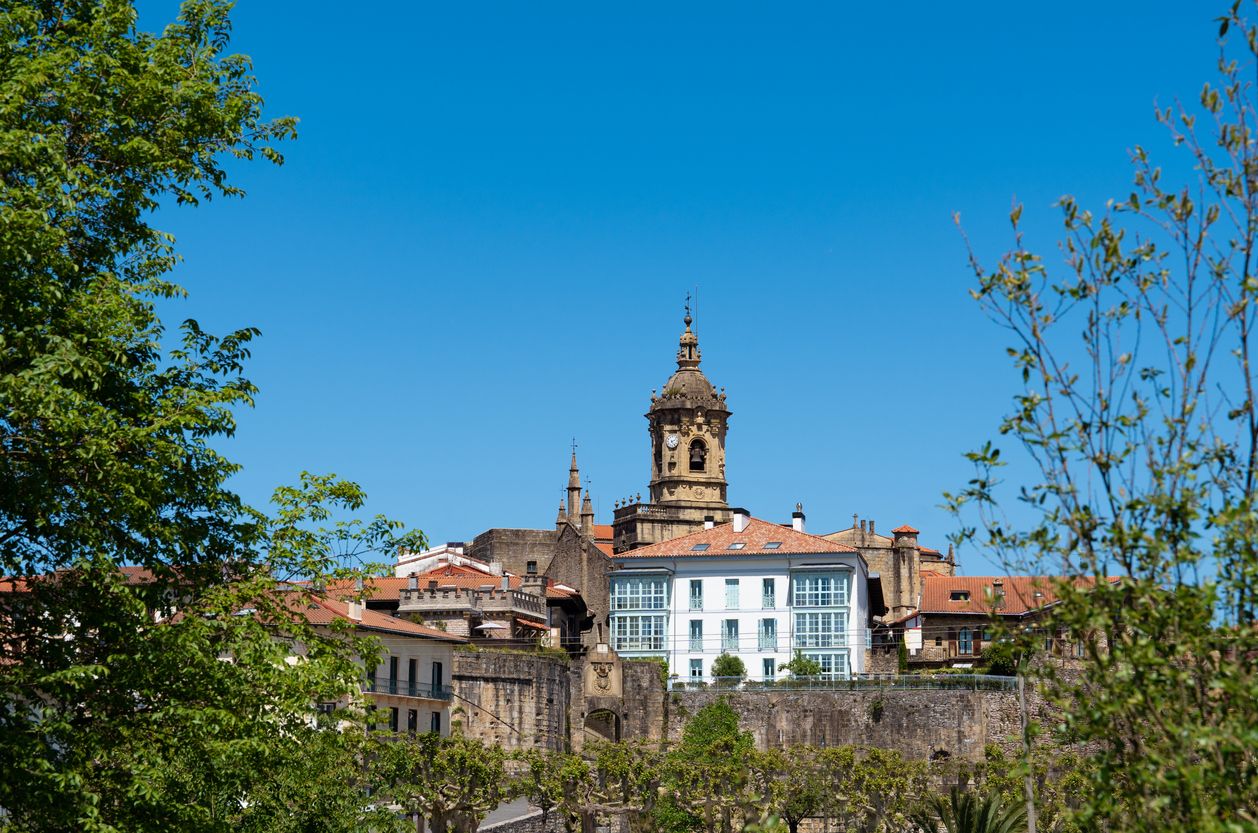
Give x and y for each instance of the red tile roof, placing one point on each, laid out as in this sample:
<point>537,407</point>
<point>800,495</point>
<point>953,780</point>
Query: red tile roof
<point>323,611</point>
<point>1023,594</point>
<point>378,589</point>
<point>602,531</point>
<point>905,528</point>
<point>753,538</point>
<point>604,547</point>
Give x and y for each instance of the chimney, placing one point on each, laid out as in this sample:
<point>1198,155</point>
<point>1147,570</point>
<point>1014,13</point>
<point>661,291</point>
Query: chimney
<point>355,611</point>
<point>871,527</point>
<point>412,582</point>
<point>506,583</point>
<point>862,526</point>
<point>741,517</point>
<point>432,585</point>
<point>797,518</point>
<point>709,521</point>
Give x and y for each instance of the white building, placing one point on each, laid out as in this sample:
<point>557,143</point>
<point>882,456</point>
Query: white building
<point>411,687</point>
<point>751,588</point>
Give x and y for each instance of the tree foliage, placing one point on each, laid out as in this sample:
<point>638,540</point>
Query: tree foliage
<point>160,696</point>
<point>728,666</point>
<point>1139,413</point>
<point>451,782</point>
<point>969,812</point>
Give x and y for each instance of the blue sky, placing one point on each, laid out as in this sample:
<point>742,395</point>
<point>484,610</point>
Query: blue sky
<point>480,243</point>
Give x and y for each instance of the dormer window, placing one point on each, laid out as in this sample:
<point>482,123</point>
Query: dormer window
<point>959,595</point>
<point>698,456</point>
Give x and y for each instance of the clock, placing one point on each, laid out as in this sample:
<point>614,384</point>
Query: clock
<point>672,441</point>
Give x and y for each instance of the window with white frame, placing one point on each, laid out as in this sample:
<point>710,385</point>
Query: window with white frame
<point>696,668</point>
<point>731,594</point>
<point>822,629</point>
<point>729,635</point>
<point>768,635</point>
<point>696,594</point>
<point>820,589</point>
<point>640,593</point>
<point>833,663</point>
<point>768,594</point>
<point>696,635</point>
<point>768,668</point>
<point>642,632</point>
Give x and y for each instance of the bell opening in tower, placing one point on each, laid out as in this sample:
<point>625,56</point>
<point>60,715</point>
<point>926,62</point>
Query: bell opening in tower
<point>698,456</point>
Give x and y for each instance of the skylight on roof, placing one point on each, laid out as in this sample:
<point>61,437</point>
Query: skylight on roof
<point>772,545</point>
<point>699,547</point>
<point>736,546</point>
<point>959,596</point>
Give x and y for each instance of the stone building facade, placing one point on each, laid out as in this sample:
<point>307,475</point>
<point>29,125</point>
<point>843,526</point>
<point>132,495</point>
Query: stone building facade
<point>899,560</point>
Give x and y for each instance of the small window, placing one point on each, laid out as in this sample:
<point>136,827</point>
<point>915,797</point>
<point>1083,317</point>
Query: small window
<point>699,548</point>
<point>531,568</point>
<point>435,724</point>
<point>772,545</point>
<point>737,546</point>
<point>960,595</point>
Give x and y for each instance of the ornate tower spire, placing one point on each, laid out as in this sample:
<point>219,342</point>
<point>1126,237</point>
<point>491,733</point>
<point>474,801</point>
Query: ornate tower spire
<point>587,514</point>
<point>574,488</point>
<point>688,354</point>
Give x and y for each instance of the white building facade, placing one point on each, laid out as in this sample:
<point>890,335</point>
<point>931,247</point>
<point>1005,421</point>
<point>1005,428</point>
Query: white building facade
<point>750,588</point>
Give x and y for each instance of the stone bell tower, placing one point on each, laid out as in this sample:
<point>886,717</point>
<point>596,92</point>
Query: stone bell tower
<point>687,423</point>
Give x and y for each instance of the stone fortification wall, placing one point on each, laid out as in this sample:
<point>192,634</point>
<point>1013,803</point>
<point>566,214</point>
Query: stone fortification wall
<point>531,822</point>
<point>646,702</point>
<point>516,701</point>
<point>920,724</point>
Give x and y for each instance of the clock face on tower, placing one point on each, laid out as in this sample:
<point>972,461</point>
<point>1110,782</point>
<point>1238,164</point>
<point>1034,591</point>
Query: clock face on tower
<point>672,440</point>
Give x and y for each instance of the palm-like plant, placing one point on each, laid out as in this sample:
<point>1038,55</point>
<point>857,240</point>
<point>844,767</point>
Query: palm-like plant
<point>969,812</point>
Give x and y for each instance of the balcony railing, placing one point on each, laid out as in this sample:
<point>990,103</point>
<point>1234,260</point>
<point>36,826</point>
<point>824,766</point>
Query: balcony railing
<point>696,644</point>
<point>768,601</point>
<point>696,603</point>
<point>861,682</point>
<point>405,688</point>
<point>768,642</point>
<point>729,642</point>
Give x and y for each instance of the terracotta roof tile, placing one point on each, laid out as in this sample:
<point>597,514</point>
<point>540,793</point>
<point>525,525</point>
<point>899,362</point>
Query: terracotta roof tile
<point>323,611</point>
<point>905,528</point>
<point>603,531</point>
<point>758,533</point>
<point>1023,594</point>
<point>378,589</point>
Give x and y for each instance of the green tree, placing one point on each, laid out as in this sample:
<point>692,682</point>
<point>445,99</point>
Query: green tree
<point>792,783</point>
<point>452,783</point>
<point>1139,415</point>
<point>969,812</point>
<point>554,782</point>
<point>108,456</point>
<point>728,669</point>
<point>871,790</point>
<point>802,668</point>
<point>707,773</point>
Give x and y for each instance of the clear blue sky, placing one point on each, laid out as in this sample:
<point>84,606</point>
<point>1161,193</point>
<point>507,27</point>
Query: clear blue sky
<point>480,243</point>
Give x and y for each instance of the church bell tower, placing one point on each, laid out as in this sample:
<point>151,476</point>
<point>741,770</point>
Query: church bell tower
<point>687,423</point>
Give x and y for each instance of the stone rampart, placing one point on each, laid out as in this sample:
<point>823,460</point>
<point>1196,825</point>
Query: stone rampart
<point>514,700</point>
<point>920,724</point>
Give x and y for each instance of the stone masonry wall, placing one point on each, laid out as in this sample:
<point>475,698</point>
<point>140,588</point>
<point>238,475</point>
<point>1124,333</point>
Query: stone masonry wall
<point>921,724</point>
<point>513,700</point>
